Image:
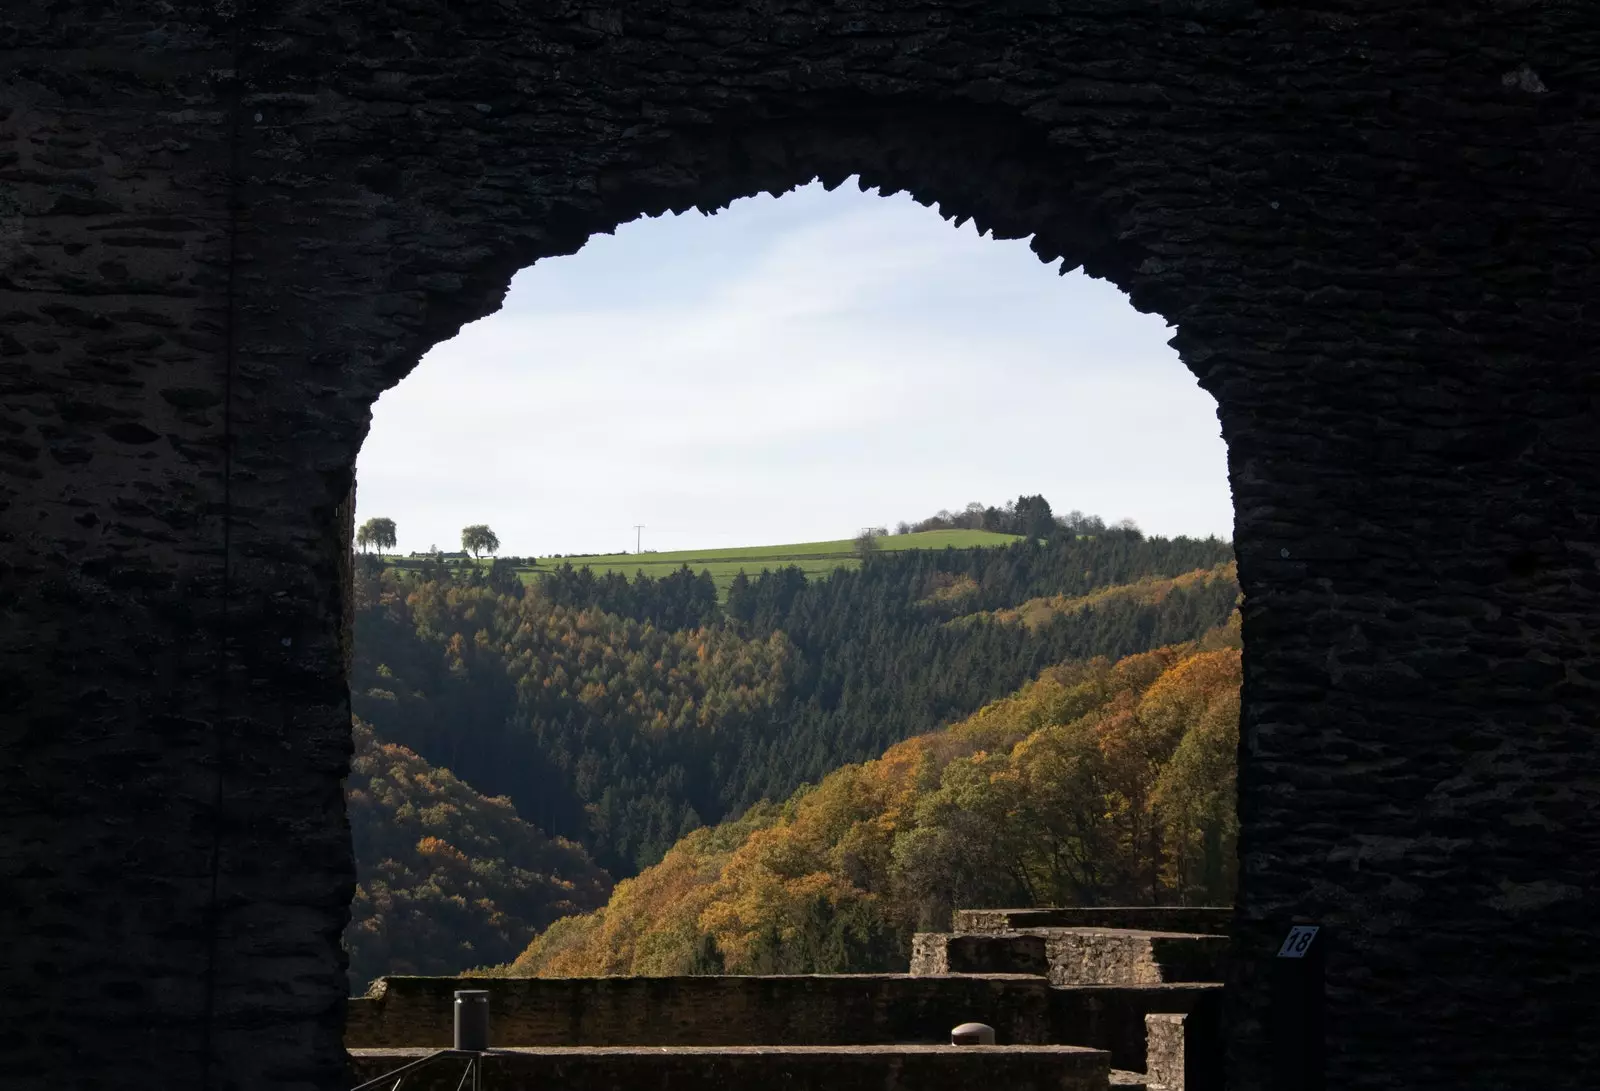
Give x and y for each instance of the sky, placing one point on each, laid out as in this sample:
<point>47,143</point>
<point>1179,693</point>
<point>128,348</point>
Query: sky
<point>791,369</point>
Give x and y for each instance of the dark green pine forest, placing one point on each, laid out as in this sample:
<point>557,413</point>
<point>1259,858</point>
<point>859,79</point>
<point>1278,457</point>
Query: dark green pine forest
<point>617,715</point>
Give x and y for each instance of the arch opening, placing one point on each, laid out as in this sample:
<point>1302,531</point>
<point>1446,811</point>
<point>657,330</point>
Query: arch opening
<point>1050,347</point>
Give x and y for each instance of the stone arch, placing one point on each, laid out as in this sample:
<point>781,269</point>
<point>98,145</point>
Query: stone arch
<point>1377,250</point>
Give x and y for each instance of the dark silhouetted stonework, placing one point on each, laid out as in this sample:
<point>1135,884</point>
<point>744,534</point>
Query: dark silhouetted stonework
<point>704,1068</point>
<point>225,228</point>
<point>835,1009</point>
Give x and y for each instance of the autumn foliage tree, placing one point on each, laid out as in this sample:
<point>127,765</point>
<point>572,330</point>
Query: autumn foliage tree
<point>1097,783</point>
<point>624,713</point>
<point>448,879</point>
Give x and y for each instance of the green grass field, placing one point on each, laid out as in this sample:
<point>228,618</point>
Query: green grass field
<point>813,558</point>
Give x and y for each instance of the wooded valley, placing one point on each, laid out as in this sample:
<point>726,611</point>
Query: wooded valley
<point>613,718</point>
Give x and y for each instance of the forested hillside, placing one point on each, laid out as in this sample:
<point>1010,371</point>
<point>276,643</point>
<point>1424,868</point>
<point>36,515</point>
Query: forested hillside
<point>1097,782</point>
<point>447,879</point>
<point>624,714</point>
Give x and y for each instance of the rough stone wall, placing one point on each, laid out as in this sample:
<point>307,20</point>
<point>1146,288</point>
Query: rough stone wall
<point>797,1068</point>
<point>1112,1017</point>
<point>1011,953</point>
<point>1164,1062</point>
<point>845,1009</point>
<point>226,228</point>
<point>1206,920</point>
<point>1075,956</point>
<point>930,953</point>
<point>854,1009</point>
<point>1091,957</point>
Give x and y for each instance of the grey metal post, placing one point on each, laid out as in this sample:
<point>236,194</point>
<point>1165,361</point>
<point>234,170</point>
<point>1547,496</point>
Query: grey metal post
<point>472,1020</point>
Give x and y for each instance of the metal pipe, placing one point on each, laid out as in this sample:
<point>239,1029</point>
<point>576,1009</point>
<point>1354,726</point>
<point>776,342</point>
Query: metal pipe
<point>403,1069</point>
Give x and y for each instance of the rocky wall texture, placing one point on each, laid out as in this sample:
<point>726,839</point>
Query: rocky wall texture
<point>1205,920</point>
<point>1075,956</point>
<point>1164,1061</point>
<point>225,228</point>
<point>1009,953</point>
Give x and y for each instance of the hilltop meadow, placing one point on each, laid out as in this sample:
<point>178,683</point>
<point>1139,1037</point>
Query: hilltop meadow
<point>814,559</point>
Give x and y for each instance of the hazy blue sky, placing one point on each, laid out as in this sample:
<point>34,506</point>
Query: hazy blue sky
<point>791,369</point>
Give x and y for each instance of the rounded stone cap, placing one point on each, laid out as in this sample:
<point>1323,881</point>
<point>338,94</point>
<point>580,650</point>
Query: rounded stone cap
<point>972,1034</point>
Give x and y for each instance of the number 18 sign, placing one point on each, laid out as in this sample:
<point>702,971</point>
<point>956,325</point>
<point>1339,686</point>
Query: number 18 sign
<point>1298,941</point>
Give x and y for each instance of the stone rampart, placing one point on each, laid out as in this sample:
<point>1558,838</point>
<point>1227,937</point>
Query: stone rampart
<point>1076,956</point>
<point>1112,1017</point>
<point>1208,920</point>
<point>1010,953</point>
<point>844,1009</point>
<point>793,1068</point>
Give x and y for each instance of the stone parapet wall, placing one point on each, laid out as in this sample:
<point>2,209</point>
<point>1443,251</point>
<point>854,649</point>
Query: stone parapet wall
<point>1112,1017</point>
<point>793,1068</point>
<point>1076,956</point>
<point>845,1009</point>
<point>1208,920</point>
<point>1089,957</point>
<point>946,953</point>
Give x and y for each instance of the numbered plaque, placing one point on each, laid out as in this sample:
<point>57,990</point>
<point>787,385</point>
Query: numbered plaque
<point>1298,941</point>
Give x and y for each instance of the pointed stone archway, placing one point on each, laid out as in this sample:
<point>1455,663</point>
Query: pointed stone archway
<point>224,230</point>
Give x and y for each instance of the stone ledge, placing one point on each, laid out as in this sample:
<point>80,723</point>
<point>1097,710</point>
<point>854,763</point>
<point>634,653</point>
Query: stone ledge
<point>796,1068</point>
<point>844,1009</point>
<point>1207,920</point>
<point>1077,955</point>
<point>1113,1018</point>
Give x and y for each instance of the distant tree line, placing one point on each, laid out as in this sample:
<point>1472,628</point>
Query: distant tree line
<point>1027,515</point>
<point>381,532</point>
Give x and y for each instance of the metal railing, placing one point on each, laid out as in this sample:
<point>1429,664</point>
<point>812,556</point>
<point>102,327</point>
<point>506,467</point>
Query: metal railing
<point>471,1042</point>
<point>473,1071</point>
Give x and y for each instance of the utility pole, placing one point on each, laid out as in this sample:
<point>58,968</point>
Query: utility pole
<point>638,537</point>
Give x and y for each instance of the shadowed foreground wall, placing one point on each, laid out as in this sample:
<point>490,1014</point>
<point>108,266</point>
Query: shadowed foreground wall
<point>226,228</point>
<point>838,1068</point>
<point>837,1009</point>
<point>841,1009</point>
